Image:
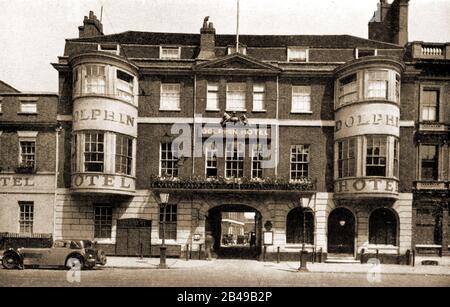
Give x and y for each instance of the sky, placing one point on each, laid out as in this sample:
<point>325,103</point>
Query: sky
<point>33,32</point>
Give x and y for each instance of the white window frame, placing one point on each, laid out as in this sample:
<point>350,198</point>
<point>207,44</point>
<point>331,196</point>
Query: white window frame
<point>423,105</point>
<point>212,96</point>
<point>236,147</point>
<point>28,107</point>
<point>168,159</point>
<point>357,51</point>
<point>303,94</point>
<point>110,48</point>
<point>162,49</point>
<point>293,49</point>
<point>232,50</point>
<point>240,89</point>
<point>103,239</point>
<point>23,161</point>
<point>210,150</point>
<point>26,217</point>
<point>166,105</point>
<point>302,149</point>
<point>257,157</point>
<point>385,81</point>
<point>94,142</point>
<point>349,92</point>
<point>259,89</point>
<point>124,154</point>
<point>95,83</point>
<point>124,89</point>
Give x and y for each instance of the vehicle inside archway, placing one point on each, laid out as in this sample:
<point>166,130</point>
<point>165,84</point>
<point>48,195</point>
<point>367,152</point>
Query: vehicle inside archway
<point>236,230</point>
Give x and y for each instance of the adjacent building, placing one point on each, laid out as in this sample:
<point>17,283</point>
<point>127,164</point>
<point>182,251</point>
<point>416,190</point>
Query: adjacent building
<point>336,143</point>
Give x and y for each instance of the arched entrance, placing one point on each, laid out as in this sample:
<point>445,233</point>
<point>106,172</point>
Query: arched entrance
<point>341,232</point>
<point>237,231</point>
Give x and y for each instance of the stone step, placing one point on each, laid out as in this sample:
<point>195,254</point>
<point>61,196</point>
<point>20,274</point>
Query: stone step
<point>341,260</point>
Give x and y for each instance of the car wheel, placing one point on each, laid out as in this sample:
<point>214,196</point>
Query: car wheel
<point>10,262</point>
<point>74,263</point>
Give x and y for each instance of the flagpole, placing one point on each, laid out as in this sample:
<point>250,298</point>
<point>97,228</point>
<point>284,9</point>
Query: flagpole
<point>237,28</point>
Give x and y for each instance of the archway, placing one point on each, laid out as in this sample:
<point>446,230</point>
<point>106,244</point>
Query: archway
<point>383,227</point>
<point>237,231</point>
<point>341,231</point>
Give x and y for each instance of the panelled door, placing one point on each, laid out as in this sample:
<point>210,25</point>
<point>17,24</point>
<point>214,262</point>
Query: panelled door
<point>133,237</point>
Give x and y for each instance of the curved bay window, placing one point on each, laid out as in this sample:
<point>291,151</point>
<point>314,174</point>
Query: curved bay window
<point>368,84</point>
<point>383,227</point>
<point>102,79</point>
<point>300,226</point>
<point>93,152</point>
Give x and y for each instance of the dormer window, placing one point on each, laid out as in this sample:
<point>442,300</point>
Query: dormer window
<point>232,50</point>
<point>111,48</point>
<point>170,53</point>
<point>298,54</point>
<point>360,53</point>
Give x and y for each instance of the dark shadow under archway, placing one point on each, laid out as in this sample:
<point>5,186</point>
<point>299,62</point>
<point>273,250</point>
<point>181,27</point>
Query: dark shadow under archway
<point>341,232</point>
<point>234,247</point>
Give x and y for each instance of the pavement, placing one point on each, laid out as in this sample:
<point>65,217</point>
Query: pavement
<point>152,263</point>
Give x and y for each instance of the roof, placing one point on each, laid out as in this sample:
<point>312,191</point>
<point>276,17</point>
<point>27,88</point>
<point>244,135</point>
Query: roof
<point>6,88</point>
<point>312,41</point>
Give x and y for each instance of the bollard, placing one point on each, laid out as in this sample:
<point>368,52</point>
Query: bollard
<point>313,255</point>
<point>320,255</point>
<point>278,254</point>
<point>200,252</point>
<point>413,257</point>
<point>142,251</point>
<point>408,257</point>
<point>398,256</point>
<point>264,253</point>
<point>362,255</point>
<point>303,255</point>
<point>377,254</point>
<point>187,252</point>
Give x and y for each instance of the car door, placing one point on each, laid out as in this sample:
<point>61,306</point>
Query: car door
<point>35,256</point>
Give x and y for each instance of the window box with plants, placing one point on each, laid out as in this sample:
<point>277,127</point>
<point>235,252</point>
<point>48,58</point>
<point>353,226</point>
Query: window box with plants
<point>25,169</point>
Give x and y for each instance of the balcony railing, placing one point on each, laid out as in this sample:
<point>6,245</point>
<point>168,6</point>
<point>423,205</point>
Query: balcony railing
<point>433,127</point>
<point>436,51</point>
<point>432,185</point>
<point>243,184</point>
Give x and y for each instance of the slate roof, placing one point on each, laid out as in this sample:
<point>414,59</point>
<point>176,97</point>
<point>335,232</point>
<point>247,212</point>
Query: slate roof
<point>6,88</point>
<point>312,41</point>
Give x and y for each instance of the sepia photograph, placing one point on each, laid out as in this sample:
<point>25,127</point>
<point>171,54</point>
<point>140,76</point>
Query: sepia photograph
<point>225,148</point>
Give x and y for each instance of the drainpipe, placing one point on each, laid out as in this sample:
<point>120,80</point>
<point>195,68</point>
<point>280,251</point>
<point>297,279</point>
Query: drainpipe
<point>193,124</point>
<point>57,131</point>
<point>277,134</point>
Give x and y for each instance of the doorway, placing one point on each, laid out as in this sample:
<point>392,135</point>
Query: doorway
<point>341,232</point>
<point>133,237</point>
<point>237,231</point>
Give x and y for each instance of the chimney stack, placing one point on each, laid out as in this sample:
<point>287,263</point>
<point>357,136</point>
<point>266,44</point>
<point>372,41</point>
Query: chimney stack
<point>91,26</point>
<point>207,41</point>
<point>390,22</point>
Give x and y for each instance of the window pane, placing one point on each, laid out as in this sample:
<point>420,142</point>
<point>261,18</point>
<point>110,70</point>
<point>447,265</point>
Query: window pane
<point>429,162</point>
<point>430,104</point>
<point>234,160</point>
<point>26,217</point>
<point>170,218</point>
<point>258,97</point>
<point>28,153</point>
<point>297,54</point>
<point>212,99</point>
<point>94,152</point>
<point>299,161</point>
<point>301,99</point>
<point>376,156</point>
<point>170,97</point>
<point>169,163</point>
<point>236,96</point>
<point>102,222</point>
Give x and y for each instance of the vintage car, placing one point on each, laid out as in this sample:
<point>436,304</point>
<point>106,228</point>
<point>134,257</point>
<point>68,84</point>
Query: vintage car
<point>91,247</point>
<point>63,253</point>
